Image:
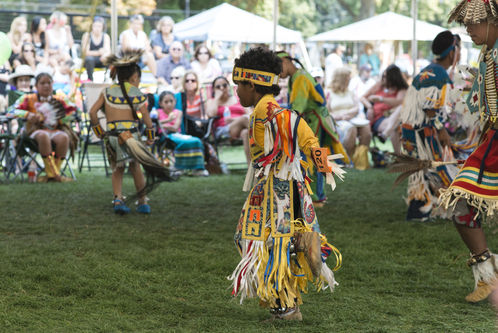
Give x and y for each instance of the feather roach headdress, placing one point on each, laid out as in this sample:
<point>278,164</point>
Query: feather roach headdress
<point>124,59</point>
<point>475,11</point>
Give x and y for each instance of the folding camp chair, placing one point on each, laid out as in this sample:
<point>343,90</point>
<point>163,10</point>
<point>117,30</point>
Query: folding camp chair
<point>25,152</point>
<point>7,147</point>
<point>91,93</point>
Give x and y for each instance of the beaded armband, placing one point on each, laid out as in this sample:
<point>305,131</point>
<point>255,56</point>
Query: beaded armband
<point>149,133</point>
<point>97,129</point>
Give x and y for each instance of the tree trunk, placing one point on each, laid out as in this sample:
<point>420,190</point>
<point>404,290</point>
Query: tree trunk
<point>367,9</point>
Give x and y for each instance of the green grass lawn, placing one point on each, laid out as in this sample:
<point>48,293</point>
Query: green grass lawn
<point>70,265</point>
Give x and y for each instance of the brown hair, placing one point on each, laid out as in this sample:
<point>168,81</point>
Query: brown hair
<point>198,49</point>
<point>340,79</point>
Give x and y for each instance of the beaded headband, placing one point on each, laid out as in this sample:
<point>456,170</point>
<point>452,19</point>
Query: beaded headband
<point>257,77</point>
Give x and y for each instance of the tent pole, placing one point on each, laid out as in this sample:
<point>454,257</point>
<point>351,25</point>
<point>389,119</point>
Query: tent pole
<point>275,23</point>
<point>114,27</point>
<point>414,40</point>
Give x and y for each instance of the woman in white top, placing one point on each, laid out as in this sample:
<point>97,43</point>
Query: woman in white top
<point>207,67</point>
<point>344,108</point>
<point>59,38</point>
<point>135,38</point>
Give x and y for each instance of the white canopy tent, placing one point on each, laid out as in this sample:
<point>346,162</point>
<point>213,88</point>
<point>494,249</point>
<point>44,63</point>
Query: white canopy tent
<point>386,26</point>
<point>231,24</point>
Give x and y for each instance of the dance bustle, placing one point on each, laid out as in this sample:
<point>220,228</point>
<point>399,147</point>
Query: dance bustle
<point>154,170</point>
<point>407,165</point>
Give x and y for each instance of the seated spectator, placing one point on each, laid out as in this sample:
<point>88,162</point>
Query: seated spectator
<point>4,79</point>
<point>65,78</point>
<point>162,39</point>
<point>96,46</point>
<point>207,67</point>
<point>318,74</point>
<point>166,64</point>
<point>135,38</point>
<point>38,26</point>
<point>59,38</point>
<point>47,116</point>
<point>382,101</point>
<point>189,150</point>
<point>233,121</point>
<point>191,100</point>
<point>343,107</point>
<point>26,57</point>
<point>18,36</point>
<point>360,83</point>
<point>177,79</point>
<point>20,82</point>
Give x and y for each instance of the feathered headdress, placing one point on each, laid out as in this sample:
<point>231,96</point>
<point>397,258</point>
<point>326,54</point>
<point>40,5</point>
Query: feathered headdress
<point>124,59</point>
<point>475,11</point>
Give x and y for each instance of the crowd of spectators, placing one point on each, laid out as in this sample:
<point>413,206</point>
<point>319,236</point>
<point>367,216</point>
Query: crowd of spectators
<point>363,101</point>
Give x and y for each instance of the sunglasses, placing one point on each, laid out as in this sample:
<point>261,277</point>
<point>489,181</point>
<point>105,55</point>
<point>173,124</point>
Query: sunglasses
<point>176,49</point>
<point>203,52</point>
<point>175,78</point>
<point>219,86</point>
<point>190,81</point>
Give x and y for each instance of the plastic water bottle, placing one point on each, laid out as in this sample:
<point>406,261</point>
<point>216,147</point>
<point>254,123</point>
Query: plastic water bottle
<point>32,172</point>
<point>226,112</point>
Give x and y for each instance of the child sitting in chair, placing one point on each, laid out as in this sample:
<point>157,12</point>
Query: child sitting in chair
<point>189,150</point>
<point>47,117</point>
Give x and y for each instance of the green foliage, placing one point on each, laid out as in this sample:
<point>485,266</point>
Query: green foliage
<point>70,264</point>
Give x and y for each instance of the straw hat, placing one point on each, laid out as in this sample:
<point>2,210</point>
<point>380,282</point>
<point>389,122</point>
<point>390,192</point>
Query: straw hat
<point>21,70</point>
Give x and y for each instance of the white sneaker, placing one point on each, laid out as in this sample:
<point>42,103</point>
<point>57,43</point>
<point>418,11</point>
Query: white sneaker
<point>200,173</point>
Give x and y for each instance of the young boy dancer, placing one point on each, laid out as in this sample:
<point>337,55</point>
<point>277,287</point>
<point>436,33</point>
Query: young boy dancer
<point>121,102</point>
<point>278,235</point>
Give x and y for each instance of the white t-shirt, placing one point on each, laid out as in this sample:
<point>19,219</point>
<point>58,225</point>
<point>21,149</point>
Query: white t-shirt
<point>339,102</point>
<point>138,41</point>
<point>208,74</point>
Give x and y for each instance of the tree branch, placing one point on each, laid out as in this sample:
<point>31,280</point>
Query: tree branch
<point>347,8</point>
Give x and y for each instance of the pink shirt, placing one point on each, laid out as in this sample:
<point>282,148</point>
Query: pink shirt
<point>170,119</point>
<point>236,110</point>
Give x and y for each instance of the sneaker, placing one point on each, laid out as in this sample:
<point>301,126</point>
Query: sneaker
<point>200,173</point>
<point>143,209</point>
<point>120,207</point>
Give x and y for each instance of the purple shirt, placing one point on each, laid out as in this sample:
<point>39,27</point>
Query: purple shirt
<point>166,65</point>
